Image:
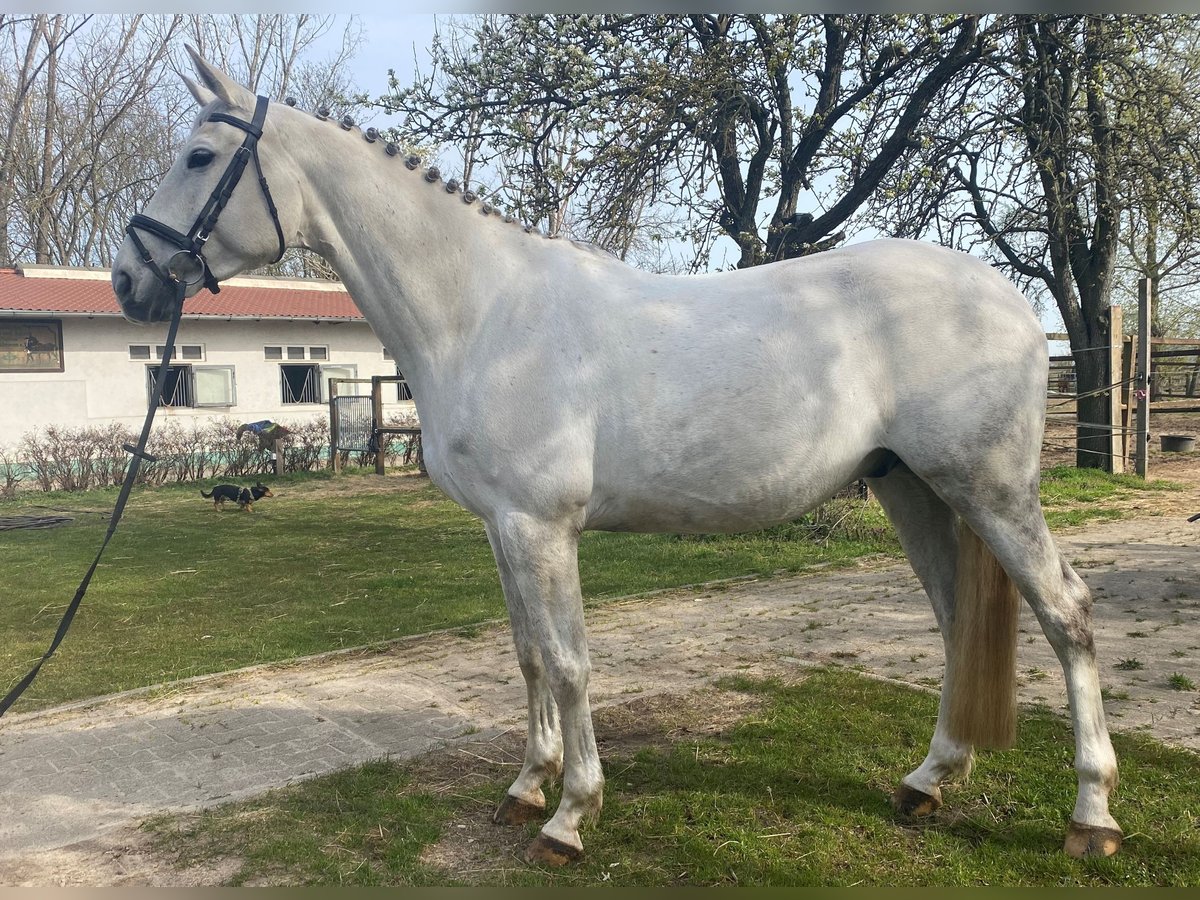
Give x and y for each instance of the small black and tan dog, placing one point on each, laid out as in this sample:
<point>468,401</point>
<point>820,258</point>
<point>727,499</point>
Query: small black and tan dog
<point>244,496</point>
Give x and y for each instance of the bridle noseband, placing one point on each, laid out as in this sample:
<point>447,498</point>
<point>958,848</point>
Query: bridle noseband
<point>191,244</point>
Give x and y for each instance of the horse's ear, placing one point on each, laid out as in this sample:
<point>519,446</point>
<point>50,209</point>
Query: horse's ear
<point>224,87</point>
<point>202,94</point>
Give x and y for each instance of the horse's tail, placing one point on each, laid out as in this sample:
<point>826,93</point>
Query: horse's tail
<point>204,495</point>
<point>982,707</point>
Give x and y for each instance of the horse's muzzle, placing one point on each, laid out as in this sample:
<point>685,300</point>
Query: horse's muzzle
<point>142,300</point>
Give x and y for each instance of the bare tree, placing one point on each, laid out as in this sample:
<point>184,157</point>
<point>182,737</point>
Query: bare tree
<point>271,54</point>
<point>1073,125</point>
<point>1160,237</point>
<point>738,118</point>
<point>85,84</point>
<point>32,49</point>
<point>93,116</point>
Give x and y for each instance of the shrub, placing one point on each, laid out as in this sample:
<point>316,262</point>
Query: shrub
<point>307,447</point>
<point>75,459</point>
<point>78,459</point>
<point>12,472</point>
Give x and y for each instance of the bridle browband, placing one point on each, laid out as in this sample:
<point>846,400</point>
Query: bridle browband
<point>192,244</point>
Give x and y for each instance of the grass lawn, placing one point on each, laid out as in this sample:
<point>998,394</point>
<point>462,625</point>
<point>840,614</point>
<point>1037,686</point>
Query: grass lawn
<point>327,563</point>
<point>331,563</point>
<point>757,783</point>
<point>1072,496</point>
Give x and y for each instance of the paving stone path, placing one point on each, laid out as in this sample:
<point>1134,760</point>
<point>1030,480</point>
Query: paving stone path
<point>71,775</point>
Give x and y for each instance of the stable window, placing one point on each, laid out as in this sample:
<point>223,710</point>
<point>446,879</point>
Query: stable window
<point>294,351</point>
<point>195,386</point>
<point>31,345</point>
<point>193,352</point>
<point>307,383</point>
<point>402,389</point>
<point>333,371</point>
<point>178,385</point>
<point>214,385</point>
<point>300,384</point>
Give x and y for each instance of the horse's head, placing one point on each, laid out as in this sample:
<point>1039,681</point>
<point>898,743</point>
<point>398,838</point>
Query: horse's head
<point>195,229</point>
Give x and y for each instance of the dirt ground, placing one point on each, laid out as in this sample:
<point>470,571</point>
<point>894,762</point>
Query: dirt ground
<point>1183,467</point>
<point>630,715</point>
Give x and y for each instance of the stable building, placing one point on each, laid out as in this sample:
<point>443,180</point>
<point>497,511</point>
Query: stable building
<point>263,348</point>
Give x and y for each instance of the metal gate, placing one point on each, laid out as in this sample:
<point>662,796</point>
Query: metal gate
<point>355,426</point>
<point>356,423</point>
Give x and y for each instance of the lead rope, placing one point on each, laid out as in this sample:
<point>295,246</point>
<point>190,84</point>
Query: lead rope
<point>138,453</point>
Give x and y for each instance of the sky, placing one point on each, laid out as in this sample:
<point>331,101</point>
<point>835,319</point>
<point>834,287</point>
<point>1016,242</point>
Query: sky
<point>390,41</point>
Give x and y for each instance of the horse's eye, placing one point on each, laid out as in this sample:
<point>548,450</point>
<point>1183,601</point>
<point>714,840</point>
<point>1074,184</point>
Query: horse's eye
<point>198,159</point>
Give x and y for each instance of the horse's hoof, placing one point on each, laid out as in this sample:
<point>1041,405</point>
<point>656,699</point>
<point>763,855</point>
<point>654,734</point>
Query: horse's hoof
<point>515,811</point>
<point>1091,840</point>
<point>913,804</point>
<point>549,851</point>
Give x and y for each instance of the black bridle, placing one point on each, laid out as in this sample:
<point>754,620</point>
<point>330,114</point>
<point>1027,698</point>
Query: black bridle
<point>191,245</point>
<point>174,276</point>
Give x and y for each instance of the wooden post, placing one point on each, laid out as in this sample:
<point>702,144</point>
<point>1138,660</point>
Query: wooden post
<point>1116,455</point>
<point>278,456</point>
<point>1128,352</point>
<point>1143,378</point>
<point>334,461</point>
<point>377,421</point>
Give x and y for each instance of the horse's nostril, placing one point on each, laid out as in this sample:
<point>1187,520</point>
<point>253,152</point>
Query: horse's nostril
<point>122,284</point>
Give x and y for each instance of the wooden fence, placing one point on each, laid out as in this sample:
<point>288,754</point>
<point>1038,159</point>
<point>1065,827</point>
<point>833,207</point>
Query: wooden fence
<point>1159,374</point>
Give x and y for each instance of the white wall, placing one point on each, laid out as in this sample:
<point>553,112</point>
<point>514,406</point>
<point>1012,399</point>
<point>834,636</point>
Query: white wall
<point>100,384</point>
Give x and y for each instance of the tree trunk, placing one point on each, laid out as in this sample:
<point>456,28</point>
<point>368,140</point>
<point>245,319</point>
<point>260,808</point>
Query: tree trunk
<point>1091,373</point>
<point>49,128</point>
<point>16,114</point>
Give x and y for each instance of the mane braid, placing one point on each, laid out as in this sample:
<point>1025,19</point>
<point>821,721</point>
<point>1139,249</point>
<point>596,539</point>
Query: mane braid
<point>432,175</point>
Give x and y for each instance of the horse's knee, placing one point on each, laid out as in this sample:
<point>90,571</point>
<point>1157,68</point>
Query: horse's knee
<point>529,660</point>
<point>568,676</point>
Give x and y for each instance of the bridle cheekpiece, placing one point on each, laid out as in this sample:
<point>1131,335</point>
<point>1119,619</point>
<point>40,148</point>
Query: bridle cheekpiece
<point>189,259</point>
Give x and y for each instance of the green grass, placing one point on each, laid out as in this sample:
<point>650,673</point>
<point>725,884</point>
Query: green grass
<point>796,793</point>
<point>185,590</point>
<point>1072,496</point>
<point>1180,682</point>
<point>333,563</point>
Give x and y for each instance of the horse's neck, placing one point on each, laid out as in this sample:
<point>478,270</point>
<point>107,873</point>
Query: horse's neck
<point>419,263</point>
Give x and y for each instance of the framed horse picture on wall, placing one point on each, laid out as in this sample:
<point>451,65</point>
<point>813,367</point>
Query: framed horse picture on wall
<point>31,345</point>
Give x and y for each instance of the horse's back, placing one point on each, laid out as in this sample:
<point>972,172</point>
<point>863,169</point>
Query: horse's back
<point>739,399</point>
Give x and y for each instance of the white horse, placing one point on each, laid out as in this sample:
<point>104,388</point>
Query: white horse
<point>561,390</point>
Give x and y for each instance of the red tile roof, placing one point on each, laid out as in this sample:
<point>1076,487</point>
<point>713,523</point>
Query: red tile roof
<point>87,292</point>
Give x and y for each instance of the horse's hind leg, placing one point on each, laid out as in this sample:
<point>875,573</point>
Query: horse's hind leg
<point>525,801</point>
<point>1009,522</point>
<point>542,558</point>
<point>926,527</point>
<point>1015,530</point>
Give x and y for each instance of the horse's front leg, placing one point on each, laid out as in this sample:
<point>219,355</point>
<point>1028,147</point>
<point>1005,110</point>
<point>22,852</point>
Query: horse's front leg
<point>525,801</point>
<point>542,557</point>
